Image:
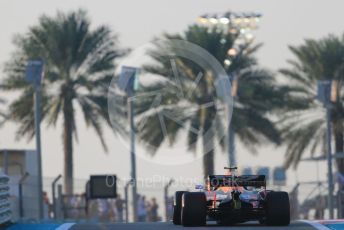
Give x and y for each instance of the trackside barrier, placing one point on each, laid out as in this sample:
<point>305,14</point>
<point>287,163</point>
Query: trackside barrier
<point>5,211</point>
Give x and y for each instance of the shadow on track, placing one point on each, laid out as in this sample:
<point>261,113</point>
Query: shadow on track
<point>170,226</point>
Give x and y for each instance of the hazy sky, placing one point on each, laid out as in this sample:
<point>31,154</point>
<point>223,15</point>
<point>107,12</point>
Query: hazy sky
<point>136,22</point>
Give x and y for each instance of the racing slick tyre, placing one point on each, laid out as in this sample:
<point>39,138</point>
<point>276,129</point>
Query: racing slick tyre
<point>277,209</point>
<point>177,207</point>
<point>194,209</point>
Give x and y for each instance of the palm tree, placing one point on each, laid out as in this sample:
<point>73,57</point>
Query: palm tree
<point>304,125</point>
<point>79,65</point>
<point>257,96</point>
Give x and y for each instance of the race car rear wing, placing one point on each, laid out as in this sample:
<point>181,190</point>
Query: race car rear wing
<point>216,181</point>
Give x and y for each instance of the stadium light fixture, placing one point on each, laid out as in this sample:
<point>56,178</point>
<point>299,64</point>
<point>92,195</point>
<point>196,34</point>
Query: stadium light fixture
<point>239,25</point>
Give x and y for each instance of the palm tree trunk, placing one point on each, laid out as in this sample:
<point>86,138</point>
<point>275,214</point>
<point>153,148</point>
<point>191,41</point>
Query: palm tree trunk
<point>208,150</point>
<point>68,146</point>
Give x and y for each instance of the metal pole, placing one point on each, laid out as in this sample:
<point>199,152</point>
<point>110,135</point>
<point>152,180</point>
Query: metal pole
<point>60,202</point>
<point>87,197</point>
<point>21,209</point>
<point>6,161</point>
<point>166,198</point>
<point>231,146</point>
<point>231,134</point>
<point>231,137</point>
<point>132,153</point>
<point>339,206</point>
<point>53,185</point>
<point>166,201</point>
<point>329,161</point>
<point>38,92</point>
<point>126,201</point>
<point>21,206</point>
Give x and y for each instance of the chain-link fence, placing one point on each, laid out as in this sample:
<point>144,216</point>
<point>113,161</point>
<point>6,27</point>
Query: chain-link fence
<point>308,200</point>
<point>77,207</point>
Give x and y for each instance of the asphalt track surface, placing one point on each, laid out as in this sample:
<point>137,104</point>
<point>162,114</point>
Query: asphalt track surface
<point>170,226</point>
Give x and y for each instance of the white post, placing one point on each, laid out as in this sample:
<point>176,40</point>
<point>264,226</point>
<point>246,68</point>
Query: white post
<point>38,92</point>
<point>132,155</point>
<point>34,74</point>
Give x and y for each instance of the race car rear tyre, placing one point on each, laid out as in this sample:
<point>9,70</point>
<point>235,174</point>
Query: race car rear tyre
<point>194,209</point>
<point>177,207</point>
<point>277,209</point>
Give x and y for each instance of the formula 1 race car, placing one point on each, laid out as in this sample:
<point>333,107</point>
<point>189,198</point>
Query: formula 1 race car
<point>230,199</point>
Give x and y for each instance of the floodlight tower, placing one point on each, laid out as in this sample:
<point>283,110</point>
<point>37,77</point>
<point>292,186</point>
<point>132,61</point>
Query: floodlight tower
<point>240,25</point>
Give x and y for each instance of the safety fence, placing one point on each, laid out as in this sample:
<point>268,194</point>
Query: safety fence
<point>308,199</point>
<point>5,209</point>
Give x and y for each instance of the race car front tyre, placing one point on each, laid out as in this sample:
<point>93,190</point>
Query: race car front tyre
<point>194,209</point>
<point>277,209</point>
<point>177,207</point>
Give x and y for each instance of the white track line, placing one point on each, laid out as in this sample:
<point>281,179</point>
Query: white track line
<point>314,224</point>
<point>65,226</point>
